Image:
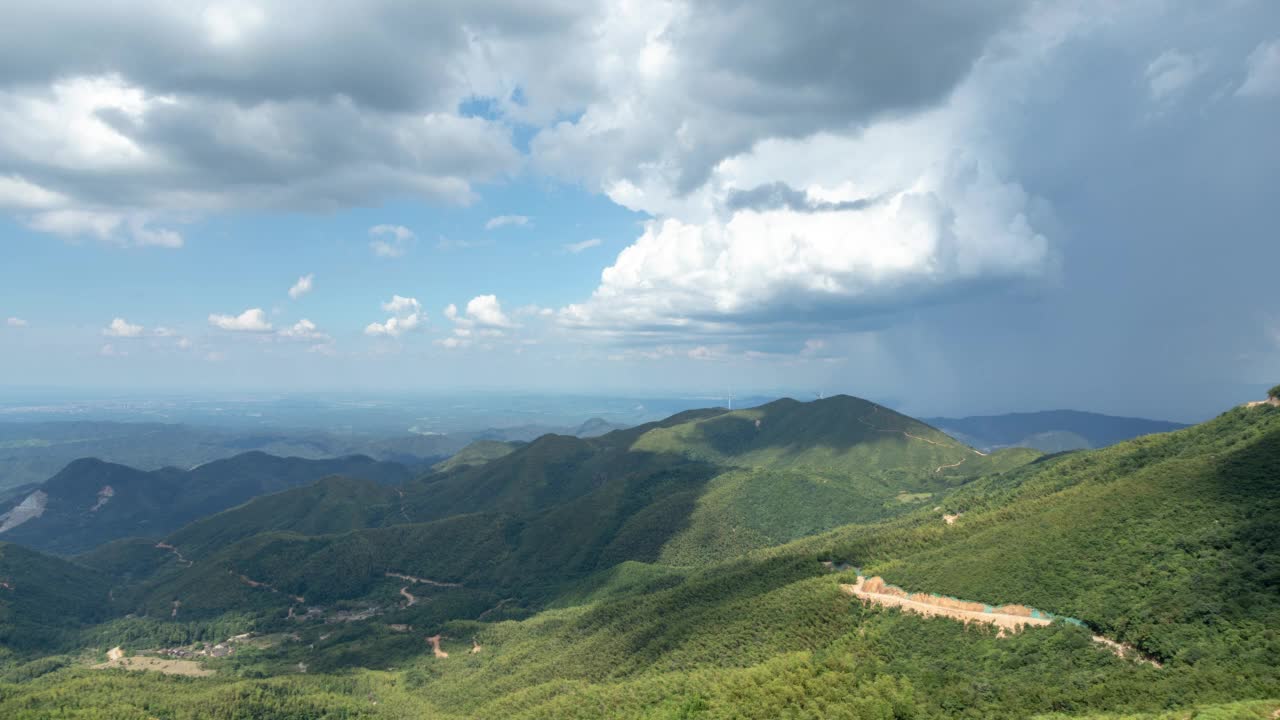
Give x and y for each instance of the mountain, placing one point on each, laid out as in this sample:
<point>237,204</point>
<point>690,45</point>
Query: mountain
<point>597,426</point>
<point>1050,431</point>
<point>32,452</point>
<point>91,502</point>
<point>693,489</point>
<point>544,584</point>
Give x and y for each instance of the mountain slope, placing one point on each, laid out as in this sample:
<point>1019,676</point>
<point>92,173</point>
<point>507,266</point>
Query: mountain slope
<point>91,502</point>
<point>1166,541</point>
<point>44,600</point>
<point>331,505</point>
<point>1050,431</point>
<point>477,453</point>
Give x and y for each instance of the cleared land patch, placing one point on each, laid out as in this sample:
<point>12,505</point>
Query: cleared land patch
<point>168,666</point>
<point>1012,618</point>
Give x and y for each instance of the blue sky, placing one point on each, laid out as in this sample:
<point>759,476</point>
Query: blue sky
<point>239,260</point>
<point>1006,206</point>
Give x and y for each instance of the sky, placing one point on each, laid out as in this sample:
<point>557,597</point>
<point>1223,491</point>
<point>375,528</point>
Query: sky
<point>957,208</point>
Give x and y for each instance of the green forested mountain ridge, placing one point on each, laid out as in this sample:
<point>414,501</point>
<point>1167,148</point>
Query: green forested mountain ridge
<point>1167,542</point>
<point>568,507</point>
<point>91,502</point>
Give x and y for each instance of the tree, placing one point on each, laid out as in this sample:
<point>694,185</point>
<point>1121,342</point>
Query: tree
<point>1274,393</point>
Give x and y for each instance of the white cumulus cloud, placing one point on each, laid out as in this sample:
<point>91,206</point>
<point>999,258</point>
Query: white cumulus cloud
<point>122,328</point>
<point>485,310</point>
<point>957,224</point>
<point>304,329</point>
<point>482,311</point>
<point>302,287</point>
<point>16,322</point>
<point>406,315</point>
<point>482,318</point>
<point>253,320</point>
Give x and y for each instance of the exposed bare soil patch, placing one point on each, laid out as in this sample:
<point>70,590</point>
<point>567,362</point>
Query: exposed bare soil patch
<point>31,507</point>
<point>435,647</point>
<point>1009,618</point>
<point>104,496</point>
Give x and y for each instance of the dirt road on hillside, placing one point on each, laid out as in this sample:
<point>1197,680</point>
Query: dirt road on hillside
<point>265,586</point>
<point>423,581</point>
<point>875,410</point>
<point>174,551</point>
<point>1012,618</point>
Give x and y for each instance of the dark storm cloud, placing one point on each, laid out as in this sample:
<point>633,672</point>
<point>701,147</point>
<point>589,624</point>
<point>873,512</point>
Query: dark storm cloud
<point>385,55</point>
<point>792,69</point>
<point>745,72</point>
<point>288,105</point>
<point>814,61</point>
<point>1164,214</point>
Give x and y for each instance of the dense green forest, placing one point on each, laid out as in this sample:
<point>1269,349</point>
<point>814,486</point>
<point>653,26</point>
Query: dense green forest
<point>693,569</point>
